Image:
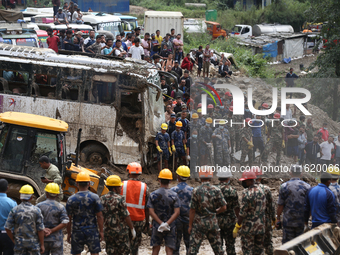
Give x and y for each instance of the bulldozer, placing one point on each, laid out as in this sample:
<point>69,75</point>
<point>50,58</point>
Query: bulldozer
<point>24,139</point>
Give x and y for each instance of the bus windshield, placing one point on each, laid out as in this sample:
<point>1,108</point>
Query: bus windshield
<point>132,22</point>
<point>27,42</point>
<point>113,27</point>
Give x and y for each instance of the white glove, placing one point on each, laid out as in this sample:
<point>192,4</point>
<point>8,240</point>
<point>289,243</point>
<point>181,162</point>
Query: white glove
<point>133,232</point>
<point>219,136</point>
<point>306,228</point>
<point>188,157</point>
<point>164,227</point>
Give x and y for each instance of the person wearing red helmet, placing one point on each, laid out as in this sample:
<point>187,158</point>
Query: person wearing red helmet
<point>228,97</point>
<point>210,110</point>
<point>251,219</point>
<point>275,140</point>
<point>246,143</point>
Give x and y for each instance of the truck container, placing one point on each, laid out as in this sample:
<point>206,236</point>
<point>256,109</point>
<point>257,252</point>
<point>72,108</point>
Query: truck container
<point>163,21</point>
<point>260,29</point>
<point>108,6</point>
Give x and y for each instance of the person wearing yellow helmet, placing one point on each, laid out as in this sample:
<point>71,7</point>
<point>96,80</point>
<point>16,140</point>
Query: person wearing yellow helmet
<point>21,219</point>
<point>184,192</point>
<point>221,140</point>
<point>163,146</point>
<point>55,220</point>
<point>164,206</point>
<point>178,142</point>
<point>84,210</point>
<point>205,141</point>
<point>115,210</point>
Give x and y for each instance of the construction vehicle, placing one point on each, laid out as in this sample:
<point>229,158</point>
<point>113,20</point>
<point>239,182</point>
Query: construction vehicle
<point>216,30</point>
<point>24,139</point>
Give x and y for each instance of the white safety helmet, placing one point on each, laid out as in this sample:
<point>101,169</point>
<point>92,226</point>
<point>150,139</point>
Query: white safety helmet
<point>224,173</point>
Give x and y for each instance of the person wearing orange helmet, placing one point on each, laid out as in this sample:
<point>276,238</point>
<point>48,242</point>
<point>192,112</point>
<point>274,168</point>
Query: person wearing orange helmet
<point>178,142</point>
<point>251,219</point>
<point>164,206</point>
<point>207,200</point>
<point>246,143</point>
<point>136,195</point>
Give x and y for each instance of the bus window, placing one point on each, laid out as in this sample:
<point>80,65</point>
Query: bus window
<point>104,92</point>
<point>45,86</point>
<point>17,81</point>
<point>46,145</point>
<point>27,42</point>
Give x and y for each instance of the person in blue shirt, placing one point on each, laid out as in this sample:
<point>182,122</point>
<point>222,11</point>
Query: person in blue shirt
<point>257,135</point>
<point>118,37</point>
<point>108,48</point>
<point>6,205</point>
<point>320,203</point>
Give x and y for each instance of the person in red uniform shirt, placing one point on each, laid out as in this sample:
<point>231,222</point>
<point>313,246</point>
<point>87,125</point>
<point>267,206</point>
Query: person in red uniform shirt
<point>324,132</point>
<point>52,40</point>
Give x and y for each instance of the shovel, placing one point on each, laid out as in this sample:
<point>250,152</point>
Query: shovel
<point>161,159</point>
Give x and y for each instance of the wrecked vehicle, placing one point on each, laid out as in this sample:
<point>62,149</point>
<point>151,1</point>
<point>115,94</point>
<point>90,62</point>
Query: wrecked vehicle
<point>117,103</point>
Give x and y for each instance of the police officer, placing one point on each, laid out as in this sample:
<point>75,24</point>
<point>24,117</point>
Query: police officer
<point>237,119</point>
<point>116,219</point>
<point>55,220</point>
<point>205,140</point>
<point>52,175</point>
<point>136,194</point>
<point>251,219</point>
<point>206,201</point>
<point>171,124</point>
<point>84,210</point>
<point>178,142</point>
<point>227,219</point>
<point>164,206</point>
<point>163,146</point>
<point>25,226</point>
<point>231,129</point>
<point>291,202</point>
<point>193,153</point>
<point>194,123</point>
<point>246,143</point>
<point>222,144</point>
<point>335,187</point>
<point>185,122</point>
<point>184,192</point>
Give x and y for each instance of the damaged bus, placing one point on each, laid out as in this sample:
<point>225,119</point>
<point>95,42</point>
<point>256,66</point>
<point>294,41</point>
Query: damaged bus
<point>117,103</point>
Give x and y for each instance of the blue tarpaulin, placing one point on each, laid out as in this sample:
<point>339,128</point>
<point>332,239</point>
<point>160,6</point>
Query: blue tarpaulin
<point>270,50</point>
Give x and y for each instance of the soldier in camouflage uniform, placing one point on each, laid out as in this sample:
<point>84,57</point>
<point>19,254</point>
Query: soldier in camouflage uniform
<point>195,122</point>
<point>84,210</point>
<point>275,135</point>
<point>184,192</point>
<point>178,142</point>
<point>238,119</point>
<point>335,187</point>
<point>164,206</point>
<point>116,219</point>
<point>25,226</point>
<point>217,114</point>
<point>251,219</point>
<point>231,130</point>
<point>55,219</point>
<point>205,140</point>
<point>227,219</point>
<point>291,202</point>
<point>246,144</point>
<point>222,144</point>
<point>201,120</point>
<point>193,153</point>
<point>270,212</point>
<point>207,201</point>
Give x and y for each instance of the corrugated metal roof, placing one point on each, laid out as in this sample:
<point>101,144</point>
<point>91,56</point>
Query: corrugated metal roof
<point>163,14</point>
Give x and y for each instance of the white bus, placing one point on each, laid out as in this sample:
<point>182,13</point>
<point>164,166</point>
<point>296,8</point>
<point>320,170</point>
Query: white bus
<point>118,104</point>
<point>103,21</point>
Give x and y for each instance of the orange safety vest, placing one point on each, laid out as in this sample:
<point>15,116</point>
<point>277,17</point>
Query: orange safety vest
<point>135,193</point>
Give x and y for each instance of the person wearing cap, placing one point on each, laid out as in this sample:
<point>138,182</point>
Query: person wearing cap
<point>227,219</point>
<point>192,153</point>
<point>55,220</point>
<point>84,210</point>
<point>178,143</point>
<point>217,114</point>
<point>335,187</point>
<point>257,134</point>
<point>164,206</point>
<point>320,203</point>
<point>184,192</point>
<point>52,175</point>
<point>6,205</point>
<point>117,221</point>
<point>163,146</point>
<point>195,122</point>
<point>275,136</point>
<point>206,202</point>
<point>291,203</point>
<point>25,225</point>
<point>246,143</point>
<point>221,140</point>
<point>251,219</point>
<point>205,141</point>
<point>171,124</point>
<point>136,194</point>
<point>60,17</point>
<point>184,120</point>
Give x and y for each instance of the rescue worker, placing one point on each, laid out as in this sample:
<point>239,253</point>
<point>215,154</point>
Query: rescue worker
<point>163,146</point>
<point>246,143</point>
<point>117,221</point>
<point>291,203</point>
<point>84,210</point>
<point>194,123</point>
<point>201,120</point>
<point>193,153</point>
<point>206,201</point>
<point>270,212</point>
<point>185,122</point>
<point>231,130</point>
<point>136,194</point>
<point>171,124</point>
<point>55,220</point>
<point>52,175</point>
<point>275,140</point>
<point>227,219</point>
<point>210,111</point>
<point>178,142</point>
<point>164,206</point>
<point>184,192</point>
<point>205,141</point>
<point>251,219</point>
<point>217,114</point>
<point>222,144</point>
<point>335,187</point>
<point>25,226</point>
<point>237,119</point>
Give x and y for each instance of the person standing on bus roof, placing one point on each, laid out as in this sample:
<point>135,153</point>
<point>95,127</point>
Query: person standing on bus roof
<point>52,40</point>
<point>56,5</point>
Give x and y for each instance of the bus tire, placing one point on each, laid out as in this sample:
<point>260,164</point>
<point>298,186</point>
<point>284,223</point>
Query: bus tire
<point>95,154</point>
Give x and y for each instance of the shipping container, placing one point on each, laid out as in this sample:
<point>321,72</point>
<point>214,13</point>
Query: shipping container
<point>163,21</point>
<point>108,6</point>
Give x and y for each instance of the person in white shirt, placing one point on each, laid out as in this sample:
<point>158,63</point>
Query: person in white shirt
<point>119,51</point>
<point>327,148</point>
<point>77,17</point>
<point>103,44</point>
<point>337,152</point>
<point>136,51</point>
<point>289,114</point>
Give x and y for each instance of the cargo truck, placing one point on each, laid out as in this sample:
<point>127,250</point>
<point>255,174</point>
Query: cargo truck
<point>260,29</point>
<point>163,21</point>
